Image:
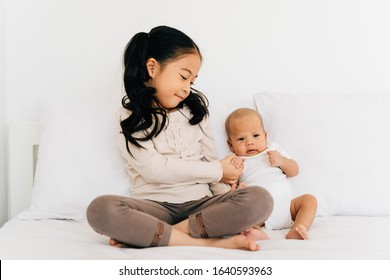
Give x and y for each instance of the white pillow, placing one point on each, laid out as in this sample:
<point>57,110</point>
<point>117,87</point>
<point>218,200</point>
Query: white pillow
<point>341,143</point>
<point>78,160</point>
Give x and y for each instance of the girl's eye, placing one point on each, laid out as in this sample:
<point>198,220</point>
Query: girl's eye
<point>186,78</point>
<point>240,139</point>
<point>256,135</point>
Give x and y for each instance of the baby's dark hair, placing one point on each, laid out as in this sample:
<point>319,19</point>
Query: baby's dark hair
<point>164,44</point>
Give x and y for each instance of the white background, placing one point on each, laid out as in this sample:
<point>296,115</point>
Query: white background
<point>72,49</point>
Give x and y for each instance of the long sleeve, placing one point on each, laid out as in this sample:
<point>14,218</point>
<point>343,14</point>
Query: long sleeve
<point>210,154</point>
<point>181,161</point>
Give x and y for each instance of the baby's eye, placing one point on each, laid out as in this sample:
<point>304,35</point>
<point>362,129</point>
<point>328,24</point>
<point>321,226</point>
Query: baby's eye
<point>240,139</point>
<point>256,135</point>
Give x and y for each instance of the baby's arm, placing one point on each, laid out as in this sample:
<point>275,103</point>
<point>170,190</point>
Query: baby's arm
<point>288,166</point>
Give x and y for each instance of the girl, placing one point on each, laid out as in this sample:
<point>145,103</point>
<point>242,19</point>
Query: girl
<point>166,139</point>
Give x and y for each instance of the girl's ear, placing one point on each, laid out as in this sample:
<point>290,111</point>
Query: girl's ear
<point>152,66</point>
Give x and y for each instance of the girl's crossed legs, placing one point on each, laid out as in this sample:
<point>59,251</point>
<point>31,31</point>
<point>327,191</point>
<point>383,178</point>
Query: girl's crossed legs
<point>146,223</point>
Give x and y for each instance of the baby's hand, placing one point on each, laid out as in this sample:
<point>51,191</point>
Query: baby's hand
<point>275,158</point>
<point>237,162</point>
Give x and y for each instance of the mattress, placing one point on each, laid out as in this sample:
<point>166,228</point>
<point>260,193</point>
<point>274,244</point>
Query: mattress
<point>331,238</point>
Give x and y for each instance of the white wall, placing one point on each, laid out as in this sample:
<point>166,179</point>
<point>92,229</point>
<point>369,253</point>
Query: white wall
<point>3,116</point>
<point>73,48</point>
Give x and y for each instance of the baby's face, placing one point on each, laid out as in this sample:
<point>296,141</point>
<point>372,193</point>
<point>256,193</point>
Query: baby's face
<point>247,136</point>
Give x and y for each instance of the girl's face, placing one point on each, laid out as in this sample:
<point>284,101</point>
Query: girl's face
<point>173,81</point>
<point>247,136</point>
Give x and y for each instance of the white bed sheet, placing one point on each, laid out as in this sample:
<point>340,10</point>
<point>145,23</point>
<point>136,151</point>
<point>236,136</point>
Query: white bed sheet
<point>331,238</point>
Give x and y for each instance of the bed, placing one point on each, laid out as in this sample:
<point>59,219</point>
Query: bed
<point>340,140</point>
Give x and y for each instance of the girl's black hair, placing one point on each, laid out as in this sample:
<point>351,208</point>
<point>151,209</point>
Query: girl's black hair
<point>164,44</point>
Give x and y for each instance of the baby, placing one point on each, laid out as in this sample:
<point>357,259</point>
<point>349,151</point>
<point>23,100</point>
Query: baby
<point>269,166</point>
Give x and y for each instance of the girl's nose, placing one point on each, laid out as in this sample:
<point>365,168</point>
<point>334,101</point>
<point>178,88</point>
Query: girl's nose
<point>186,90</point>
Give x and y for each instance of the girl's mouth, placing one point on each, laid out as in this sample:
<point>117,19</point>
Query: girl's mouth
<point>180,97</point>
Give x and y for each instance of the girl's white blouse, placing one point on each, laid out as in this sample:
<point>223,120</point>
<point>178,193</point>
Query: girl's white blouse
<point>175,166</point>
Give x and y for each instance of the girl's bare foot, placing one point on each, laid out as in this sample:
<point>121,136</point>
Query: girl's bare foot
<point>255,234</point>
<point>235,242</point>
<point>298,232</point>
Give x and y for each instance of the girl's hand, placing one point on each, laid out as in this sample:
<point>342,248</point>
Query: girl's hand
<point>231,172</point>
<point>237,162</point>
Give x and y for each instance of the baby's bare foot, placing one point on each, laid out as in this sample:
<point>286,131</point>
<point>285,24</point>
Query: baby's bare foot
<point>255,234</point>
<point>298,232</point>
